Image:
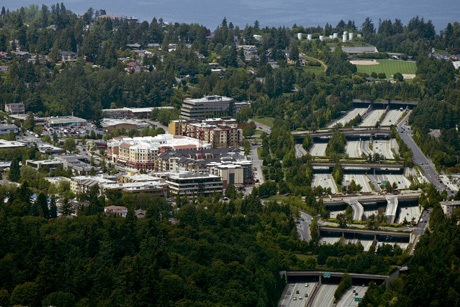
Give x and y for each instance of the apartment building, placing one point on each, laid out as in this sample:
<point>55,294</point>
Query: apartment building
<point>220,132</point>
<point>140,152</point>
<point>206,107</point>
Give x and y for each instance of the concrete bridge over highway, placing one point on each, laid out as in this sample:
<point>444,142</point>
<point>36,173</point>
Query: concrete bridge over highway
<point>392,104</point>
<point>366,234</point>
<point>371,199</point>
<point>354,134</point>
<point>359,203</point>
<point>365,167</point>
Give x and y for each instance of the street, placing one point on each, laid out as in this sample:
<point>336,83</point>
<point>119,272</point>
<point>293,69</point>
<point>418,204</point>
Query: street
<point>303,226</point>
<point>419,158</point>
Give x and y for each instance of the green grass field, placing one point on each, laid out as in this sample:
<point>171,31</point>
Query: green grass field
<point>389,67</point>
<point>317,70</point>
<point>264,120</point>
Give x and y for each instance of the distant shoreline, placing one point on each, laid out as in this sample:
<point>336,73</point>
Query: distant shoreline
<point>274,13</point>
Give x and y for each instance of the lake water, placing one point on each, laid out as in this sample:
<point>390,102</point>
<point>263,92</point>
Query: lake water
<point>268,12</point>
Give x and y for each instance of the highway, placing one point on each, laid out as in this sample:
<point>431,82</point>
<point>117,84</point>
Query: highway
<point>297,295</point>
<point>299,151</point>
<point>349,117</point>
<point>318,150</point>
<point>372,118</point>
<point>348,299</point>
<point>419,158</point>
<point>325,296</point>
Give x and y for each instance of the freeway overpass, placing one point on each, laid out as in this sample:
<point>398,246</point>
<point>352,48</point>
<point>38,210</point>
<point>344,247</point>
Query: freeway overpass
<point>369,199</point>
<point>360,203</point>
<point>366,234</point>
<point>367,167</point>
<point>357,133</point>
<point>322,276</point>
<point>392,104</point>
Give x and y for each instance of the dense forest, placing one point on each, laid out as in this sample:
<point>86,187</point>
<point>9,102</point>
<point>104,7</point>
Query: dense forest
<point>211,252</point>
<point>433,275</point>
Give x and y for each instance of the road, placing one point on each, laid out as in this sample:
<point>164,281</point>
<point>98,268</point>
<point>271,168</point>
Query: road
<point>422,223</point>
<point>299,151</point>
<point>263,127</point>
<point>419,158</point>
<point>303,226</point>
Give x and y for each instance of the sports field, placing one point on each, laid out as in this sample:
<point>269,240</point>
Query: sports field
<point>389,67</point>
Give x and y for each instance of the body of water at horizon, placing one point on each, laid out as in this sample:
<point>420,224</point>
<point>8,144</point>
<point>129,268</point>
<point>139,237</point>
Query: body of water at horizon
<point>210,13</point>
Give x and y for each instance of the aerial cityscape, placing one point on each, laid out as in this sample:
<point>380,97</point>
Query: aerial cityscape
<point>150,163</point>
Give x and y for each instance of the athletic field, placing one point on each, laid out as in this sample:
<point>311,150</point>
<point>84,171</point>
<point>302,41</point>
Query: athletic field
<point>389,67</point>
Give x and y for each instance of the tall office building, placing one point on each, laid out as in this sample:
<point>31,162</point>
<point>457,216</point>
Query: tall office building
<point>206,107</point>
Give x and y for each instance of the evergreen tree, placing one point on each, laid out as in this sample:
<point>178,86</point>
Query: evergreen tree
<point>53,208</point>
<point>42,204</point>
<point>15,173</point>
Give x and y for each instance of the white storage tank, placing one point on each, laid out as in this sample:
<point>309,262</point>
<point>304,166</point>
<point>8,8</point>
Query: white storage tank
<point>321,37</point>
<point>350,36</point>
<point>335,35</point>
<point>299,36</point>
<point>309,37</point>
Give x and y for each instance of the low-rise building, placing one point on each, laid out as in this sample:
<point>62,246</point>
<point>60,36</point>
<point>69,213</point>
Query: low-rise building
<point>449,206</point>
<point>64,121</point>
<point>68,56</point>
<point>45,165</point>
<point>193,184</point>
<point>7,129</point>
<point>4,144</point>
<point>126,112</point>
<point>15,108</point>
<point>237,173</point>
<point>83,184</point>
<point>126,124</point>
<point>360,50</point>
<point>154,188</point>
<point>116,210</point>
<point>50,149</point>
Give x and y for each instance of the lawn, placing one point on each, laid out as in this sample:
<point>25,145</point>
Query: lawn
<point>389,67</point>
<point>317,70</point>
<point>264,120</point>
